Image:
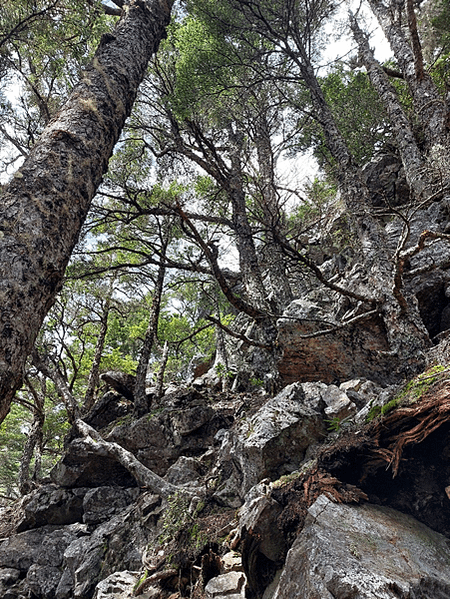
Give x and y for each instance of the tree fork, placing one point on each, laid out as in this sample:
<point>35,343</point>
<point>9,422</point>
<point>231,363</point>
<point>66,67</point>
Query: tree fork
<point>46,203</point>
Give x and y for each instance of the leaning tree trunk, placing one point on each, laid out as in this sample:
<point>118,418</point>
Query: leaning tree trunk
<point>431,108</point>
<point>248,258</point>
<point>94,374</point>
<point>46,203</point>
<point>34,441</point>
<point>405,330</point>
<point>411,156</point>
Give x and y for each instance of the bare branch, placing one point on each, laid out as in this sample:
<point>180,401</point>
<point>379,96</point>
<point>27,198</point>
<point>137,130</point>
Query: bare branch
<point>238,335</point>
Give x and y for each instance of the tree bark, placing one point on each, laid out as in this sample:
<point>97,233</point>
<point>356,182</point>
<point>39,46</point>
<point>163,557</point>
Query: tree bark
<point>47,201</point>
<point>279,283</point>
<point>406,333</point>
<point>33,442</point>
<point>95,442</point>
<point>162,368</point>
<point>412,159</point>
<point>89,398</point>
<point>140,397</point>
<point>248,258</point>
<point>431,108</point>
<point>143,475</point>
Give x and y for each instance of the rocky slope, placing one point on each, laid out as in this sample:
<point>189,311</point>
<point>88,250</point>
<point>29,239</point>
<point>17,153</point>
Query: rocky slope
<point>278,497</point>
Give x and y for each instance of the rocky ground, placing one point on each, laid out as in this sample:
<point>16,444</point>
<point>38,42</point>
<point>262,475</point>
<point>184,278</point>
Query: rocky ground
<point>321,491</point>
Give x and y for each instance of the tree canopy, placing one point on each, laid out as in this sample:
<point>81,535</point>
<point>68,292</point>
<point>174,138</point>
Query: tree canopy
<point>150,221</point>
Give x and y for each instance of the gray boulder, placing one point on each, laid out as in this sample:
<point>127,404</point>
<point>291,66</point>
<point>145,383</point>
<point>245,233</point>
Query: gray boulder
<point>44,546</point>
<point>117,586</point>
<point>226,586</point>
<point>268,444</point>
<point>52,505</point>
<point>275,439</point>
<point>364,552</point>
<point>102,503</point>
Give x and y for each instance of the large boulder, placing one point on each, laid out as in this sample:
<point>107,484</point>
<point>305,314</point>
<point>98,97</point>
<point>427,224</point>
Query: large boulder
<point>79,467</point>
<point>185,427</point>
<point>364,552</point>
<point>385,178</point>
<point>270,443</point>
<point>226,586</point>
<point>51,505</point>
<point>32,561</point>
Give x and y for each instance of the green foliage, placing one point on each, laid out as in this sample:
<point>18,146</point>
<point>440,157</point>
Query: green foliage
<point>203,78</point>
<point>333,424</point>
<point>421,384</point>
<point>13,436</point>
<point>12,441</point>
<point>175,517</point>
<point>359,115</point>
<point>44,45</point>
<point>376,411</point>
<point>439,32</point>
<point>319,194</point>
<point>222,372</point>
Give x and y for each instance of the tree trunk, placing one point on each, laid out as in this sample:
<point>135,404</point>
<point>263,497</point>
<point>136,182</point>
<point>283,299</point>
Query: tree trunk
<point>143,475</point>
<point>95,442</point>
<point>140,396</point>
<point>89,398</point>
<point>162,368</point>
<point>412,160</point>
<point>431,109</point>
<point>248,259</point>
<point>47,201</point>
<point>33,442</point>
<point>406,332</point>
<point>273,255</point>
<point>25,485</point>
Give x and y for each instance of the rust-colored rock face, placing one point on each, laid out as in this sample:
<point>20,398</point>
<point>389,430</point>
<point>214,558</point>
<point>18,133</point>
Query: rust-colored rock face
<point>351,352</point>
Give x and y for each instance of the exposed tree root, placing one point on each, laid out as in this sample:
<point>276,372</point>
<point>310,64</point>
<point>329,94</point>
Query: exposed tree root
<point>410,425</point>
<point>363,465</point>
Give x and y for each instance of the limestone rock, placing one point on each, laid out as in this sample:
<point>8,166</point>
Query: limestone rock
<point>186,426</point>
<point>80,468</point>
<point>226,586</point>
<point>185,471</point>
<point>275,439</point>
<point>44,546</point>
<point>43,580</point>
<point>231,562</point>
<point>350,352</point>
<point>101,503</point>
<point>258,517</point>
<point>338,404</point>
<point>119,585</point>
<point>364,552</point>
<point>268,444</point>
<point>107,409</point>
<point>52,505</point>
<point>115,542</point>
<point>8,577</point>
<point>385,178</point>
<point>120,382</point>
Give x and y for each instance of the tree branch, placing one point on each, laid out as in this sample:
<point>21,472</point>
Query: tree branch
<point>238,335</point>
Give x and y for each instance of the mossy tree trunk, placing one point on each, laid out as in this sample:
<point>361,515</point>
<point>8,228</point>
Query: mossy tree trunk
<point>46,203</point>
